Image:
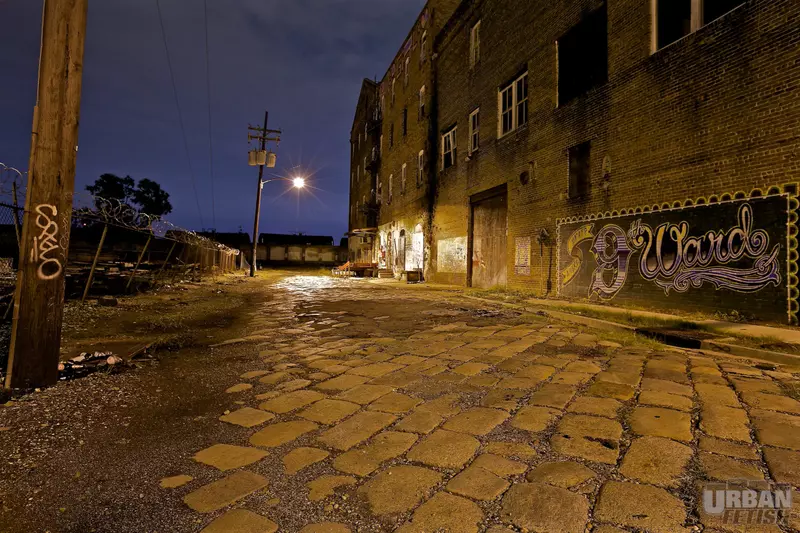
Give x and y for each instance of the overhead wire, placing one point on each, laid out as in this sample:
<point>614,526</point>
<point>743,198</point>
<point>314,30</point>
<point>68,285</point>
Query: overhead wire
<point>210,134</point>
<point>180,113</point>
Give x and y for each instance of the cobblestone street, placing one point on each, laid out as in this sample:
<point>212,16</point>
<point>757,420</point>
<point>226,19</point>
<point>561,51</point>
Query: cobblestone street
<point>378,407</point>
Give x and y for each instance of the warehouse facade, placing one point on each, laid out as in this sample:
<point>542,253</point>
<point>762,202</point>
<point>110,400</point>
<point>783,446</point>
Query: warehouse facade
<point>634,151</point>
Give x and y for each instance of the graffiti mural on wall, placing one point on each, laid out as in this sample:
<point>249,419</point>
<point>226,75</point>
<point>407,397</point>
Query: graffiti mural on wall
<point>734,254</point>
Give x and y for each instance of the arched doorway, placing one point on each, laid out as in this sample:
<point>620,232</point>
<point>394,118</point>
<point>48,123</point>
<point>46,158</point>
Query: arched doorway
<point>417,249</point>
<point>401,251</point>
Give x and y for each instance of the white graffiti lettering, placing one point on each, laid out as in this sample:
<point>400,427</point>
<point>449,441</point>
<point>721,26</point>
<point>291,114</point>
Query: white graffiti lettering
<point>49,267</point>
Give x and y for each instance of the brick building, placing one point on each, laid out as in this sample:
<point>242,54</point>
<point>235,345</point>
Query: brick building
<point>400,173</point>
<point>364,138</point>
<point>640,151</point>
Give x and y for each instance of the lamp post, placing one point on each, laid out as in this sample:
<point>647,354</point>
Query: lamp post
<point>297,183</point>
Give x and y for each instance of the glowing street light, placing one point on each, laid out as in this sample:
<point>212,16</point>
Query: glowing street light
<point>299,183</point>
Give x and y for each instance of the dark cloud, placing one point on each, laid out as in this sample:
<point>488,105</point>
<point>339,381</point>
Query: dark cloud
<point>302,59</point>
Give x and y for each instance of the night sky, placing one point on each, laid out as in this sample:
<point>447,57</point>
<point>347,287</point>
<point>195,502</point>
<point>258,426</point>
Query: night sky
<point>304,60</point>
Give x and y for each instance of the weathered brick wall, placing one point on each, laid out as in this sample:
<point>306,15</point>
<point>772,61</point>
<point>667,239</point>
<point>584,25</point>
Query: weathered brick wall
<point>713,113</point>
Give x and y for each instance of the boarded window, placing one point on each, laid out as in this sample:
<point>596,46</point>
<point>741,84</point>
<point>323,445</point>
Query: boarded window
<point>579,170</point>
<point>449,149</point>
<point>474,131</point>
<point>583,56</point>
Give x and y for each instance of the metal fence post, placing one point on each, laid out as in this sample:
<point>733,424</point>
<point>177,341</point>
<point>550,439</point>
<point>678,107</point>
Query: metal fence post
<point>139,262</point>
<point>94,264</point>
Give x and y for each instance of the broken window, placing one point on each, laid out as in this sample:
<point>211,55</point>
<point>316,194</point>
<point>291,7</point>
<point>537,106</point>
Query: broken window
<point>475,44</point>
<point>583,56</point>
<point>449,148</point>
<point>420,167</point>
<point>514,105</point>
<point>579,170</point>
<point>474,131</point>
<point>675,19</point>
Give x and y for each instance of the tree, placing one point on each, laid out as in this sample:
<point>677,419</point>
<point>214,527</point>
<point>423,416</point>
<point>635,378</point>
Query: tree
<point>111,187</point>
<point>151,198</point>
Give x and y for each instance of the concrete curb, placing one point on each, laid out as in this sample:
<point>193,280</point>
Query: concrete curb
<point>707,345</point>
<point>560,315</point>
<point>751,353</point>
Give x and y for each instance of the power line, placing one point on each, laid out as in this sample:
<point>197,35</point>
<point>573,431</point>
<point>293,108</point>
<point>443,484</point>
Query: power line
<point>180,114</point>
<point>210,136</point>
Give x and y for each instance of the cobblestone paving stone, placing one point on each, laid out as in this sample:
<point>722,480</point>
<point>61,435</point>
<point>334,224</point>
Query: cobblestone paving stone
<point>465,419</point>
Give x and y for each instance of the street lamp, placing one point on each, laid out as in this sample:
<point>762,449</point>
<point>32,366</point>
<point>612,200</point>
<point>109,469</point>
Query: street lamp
<point>297,183</point>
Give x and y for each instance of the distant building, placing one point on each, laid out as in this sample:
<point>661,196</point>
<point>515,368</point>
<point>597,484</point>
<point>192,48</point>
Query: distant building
<point>295,238</point>
<point>299,249</point>
<point>641,152</point>
<point>238,240</point>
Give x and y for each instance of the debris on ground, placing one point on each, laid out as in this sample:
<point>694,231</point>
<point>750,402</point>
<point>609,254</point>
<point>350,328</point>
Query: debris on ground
<point>107,301</point>
<point>88,363</point>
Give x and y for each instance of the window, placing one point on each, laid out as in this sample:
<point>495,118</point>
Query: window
<point>358,173</point>
<point>449,148</point>
<point>380,146</point>
<point>383,103</point>
<point>380,192</point>
<point>475,44</point>
<point>423,47</point>
<point>359,140</point>
<point>421,103</point>
<point>583,56</point>
<point>403,179</point>
<point>513,105</point>
<point>365,164</point>
<point>675,19</point>
<point>474,131</point>
<point>420,166</point>
<point>394,93</point>
<point>391,135</point>
<point>405,72</point>
<point>391,177</point>
<point>579,170</point>
<point>405,121</point>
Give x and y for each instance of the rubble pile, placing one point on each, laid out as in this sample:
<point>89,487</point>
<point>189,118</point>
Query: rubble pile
<point>88,363</point>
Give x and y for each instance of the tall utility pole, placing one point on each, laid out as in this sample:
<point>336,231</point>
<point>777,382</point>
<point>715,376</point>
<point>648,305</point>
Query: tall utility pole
<point>39,297</point>
<point>263,135</point>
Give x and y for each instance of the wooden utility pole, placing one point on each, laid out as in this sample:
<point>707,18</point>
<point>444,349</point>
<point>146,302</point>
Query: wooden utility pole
<point>263,135</point>
<point>39,297</point>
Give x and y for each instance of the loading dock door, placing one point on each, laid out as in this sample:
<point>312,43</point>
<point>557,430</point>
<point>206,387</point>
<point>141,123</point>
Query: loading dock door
<point>488,235</point>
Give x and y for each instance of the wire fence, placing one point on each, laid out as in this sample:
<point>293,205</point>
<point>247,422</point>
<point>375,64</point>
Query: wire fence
<point>113,248</point>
